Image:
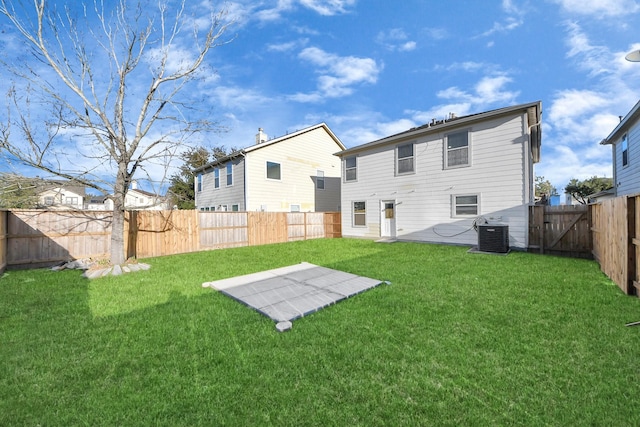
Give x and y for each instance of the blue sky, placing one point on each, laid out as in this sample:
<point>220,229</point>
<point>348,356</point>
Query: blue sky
<point>372,68</point>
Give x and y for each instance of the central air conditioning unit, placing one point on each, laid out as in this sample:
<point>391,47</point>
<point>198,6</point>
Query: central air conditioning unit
<point>493,238</point>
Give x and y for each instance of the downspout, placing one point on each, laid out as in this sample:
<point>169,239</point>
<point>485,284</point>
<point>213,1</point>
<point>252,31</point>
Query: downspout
<point>244,179</point>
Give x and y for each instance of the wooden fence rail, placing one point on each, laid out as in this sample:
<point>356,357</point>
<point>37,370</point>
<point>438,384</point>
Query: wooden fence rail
<point>35,237</point>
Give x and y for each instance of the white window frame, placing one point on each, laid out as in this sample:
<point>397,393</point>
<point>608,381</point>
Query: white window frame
<point>624,145</point>
<point>320,184</point>
<point>455,205</point>
<point>352,168</point>
<point>199,183</point>
<point>49,200</point>
<point>266,171</point>
<point>216,178</point>
<point>447,150</point>
<point>294,208</point>
<point>229,169</point>
<point>235,208</point>
<point>412,158</point>
<point>358,213</point>
<point>72,201</point>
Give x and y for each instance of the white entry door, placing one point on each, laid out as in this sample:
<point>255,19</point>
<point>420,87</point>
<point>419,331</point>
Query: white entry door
<point>388,218</point>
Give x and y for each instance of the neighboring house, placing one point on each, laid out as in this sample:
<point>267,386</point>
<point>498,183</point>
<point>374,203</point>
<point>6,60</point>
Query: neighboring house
<point>291,173</point>
<point>625,147</point>
<point>57,195</point>
<point>435,182</point>
<point>135,200</point>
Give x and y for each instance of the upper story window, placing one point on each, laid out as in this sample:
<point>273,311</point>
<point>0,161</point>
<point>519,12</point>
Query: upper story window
<point>199,182</point>
<point>350,168</point>
<point>625,150</point>
<point>457,152</point>
<point>229,174</point>
<point>216,178</point>
<point>273,170</point>
<point>405,159</point>
<point>71,201</point>
<point>320,180</point>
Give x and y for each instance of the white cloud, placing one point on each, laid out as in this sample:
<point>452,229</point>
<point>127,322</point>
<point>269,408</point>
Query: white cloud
<point>396,39</point>
<point>508,25</point>
<point>239,98</point>
<point>600,8</point>
<point>338,74</point>
<point>328,7</point>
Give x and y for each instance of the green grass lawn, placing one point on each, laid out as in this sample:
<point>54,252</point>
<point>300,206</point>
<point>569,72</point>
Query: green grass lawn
<point>456,339</point>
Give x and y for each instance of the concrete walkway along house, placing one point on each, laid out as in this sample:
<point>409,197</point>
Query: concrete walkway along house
<point>296,172</point>
<point>434,183</point>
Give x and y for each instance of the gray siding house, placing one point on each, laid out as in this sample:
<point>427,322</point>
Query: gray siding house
<point>435,182</point>
<point>296,172</point>
<point>625,148</point>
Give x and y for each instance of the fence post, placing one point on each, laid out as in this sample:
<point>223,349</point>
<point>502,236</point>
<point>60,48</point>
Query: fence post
<point>631,251</point>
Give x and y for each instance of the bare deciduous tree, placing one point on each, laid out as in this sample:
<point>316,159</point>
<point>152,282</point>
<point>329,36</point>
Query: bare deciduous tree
<point>109,77</point>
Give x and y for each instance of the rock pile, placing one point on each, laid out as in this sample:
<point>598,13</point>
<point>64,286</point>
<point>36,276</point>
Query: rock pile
<point>92,268</point>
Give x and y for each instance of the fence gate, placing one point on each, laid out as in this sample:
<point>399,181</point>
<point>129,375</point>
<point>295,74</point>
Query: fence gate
<point>560,230</point>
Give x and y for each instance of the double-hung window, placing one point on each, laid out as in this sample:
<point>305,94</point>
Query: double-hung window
<point>320,180</point>
<point>359,214</point>
<point>273,170</point>
<point>457,150</point>
<point>466,205</point>
<point>405,159</point>
<point>229,174</point>
<point>625,150</point>
<point>216,178</point>
<point>350,168</point>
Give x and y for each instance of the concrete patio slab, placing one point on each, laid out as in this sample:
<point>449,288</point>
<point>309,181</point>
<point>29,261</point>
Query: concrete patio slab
<point>288,293</point>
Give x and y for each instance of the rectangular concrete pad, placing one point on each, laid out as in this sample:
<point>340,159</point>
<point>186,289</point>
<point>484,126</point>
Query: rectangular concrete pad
<point>291,292</point>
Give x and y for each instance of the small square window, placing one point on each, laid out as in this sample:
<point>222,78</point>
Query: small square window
<point>234,208</point>
<point>465,205</point>
<point>273,170</point>
<point>295,208</point>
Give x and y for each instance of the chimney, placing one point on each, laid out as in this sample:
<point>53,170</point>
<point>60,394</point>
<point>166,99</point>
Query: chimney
<point>261,136</point>
<point>134,184</point>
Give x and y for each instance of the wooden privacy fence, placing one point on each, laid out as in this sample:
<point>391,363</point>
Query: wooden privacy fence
<point>560,230</point>
<point>36,237</point>
<point>616,237</point>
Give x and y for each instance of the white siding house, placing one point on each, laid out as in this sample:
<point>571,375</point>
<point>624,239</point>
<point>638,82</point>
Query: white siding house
<point>625,144</point>
<point>61,195</point>
<point>434,182</point>
<point>294,172</point>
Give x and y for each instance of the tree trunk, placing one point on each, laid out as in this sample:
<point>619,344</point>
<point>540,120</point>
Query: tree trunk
<point>117,226</point>
<point>117,237</point>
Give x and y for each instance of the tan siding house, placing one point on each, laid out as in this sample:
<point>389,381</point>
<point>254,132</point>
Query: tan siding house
<point>294,172</point>
<point>435,182</point>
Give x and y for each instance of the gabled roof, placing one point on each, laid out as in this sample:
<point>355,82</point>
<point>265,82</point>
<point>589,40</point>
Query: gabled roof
<point>272,142</point>
<point>624,125</point>
<point>532,109</point>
